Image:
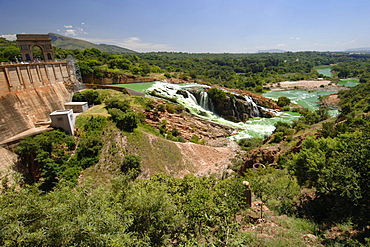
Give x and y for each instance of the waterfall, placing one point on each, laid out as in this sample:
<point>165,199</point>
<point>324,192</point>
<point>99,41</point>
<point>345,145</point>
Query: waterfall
<point>255,112</point>
<point>206,102</point>
<point>192,97</point>
<point>252,128</point>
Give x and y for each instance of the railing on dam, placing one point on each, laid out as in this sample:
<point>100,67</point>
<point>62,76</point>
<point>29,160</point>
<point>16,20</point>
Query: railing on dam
<point>34,61</point>
<point>20,76</point>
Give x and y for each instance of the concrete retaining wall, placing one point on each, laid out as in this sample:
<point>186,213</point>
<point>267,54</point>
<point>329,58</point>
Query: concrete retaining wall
<point>29,93</point>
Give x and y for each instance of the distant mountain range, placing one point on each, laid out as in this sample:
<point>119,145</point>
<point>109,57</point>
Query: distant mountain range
<point>65,42</point>
<point>363,49</point>
<point>271,51</point>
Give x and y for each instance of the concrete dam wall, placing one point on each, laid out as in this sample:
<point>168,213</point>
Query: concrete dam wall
<point>30,92</point>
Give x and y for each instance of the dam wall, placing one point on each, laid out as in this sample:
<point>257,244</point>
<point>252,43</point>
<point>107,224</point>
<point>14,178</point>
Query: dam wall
<point>29,93</point>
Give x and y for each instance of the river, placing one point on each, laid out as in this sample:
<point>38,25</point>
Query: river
<point>324,70</point>
<point>256,127</point>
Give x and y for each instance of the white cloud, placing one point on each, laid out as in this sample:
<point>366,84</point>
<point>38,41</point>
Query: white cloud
<point>70,31</point>
<point>9,36</point>
<point>281,45</point>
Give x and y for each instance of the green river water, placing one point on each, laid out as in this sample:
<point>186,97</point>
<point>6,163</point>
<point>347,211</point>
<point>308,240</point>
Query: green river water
<point>256,127</point>
<point>324,70</point>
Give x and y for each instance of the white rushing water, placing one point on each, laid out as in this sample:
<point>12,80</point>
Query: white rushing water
<point>257,127</point>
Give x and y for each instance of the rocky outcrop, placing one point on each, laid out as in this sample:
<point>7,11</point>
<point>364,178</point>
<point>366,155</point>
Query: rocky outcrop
<point>262,155</point>
<point>235,107</point>
<point>116,79</point>
<point>188,125</point>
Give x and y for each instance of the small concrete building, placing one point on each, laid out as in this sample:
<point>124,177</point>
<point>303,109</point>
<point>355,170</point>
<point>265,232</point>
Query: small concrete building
<point>64,120</point>
<point>77,106</point>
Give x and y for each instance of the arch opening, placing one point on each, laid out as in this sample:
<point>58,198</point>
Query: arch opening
<point>37,53</point>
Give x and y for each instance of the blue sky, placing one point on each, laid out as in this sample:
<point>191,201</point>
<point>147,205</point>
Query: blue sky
<point>235,26</point>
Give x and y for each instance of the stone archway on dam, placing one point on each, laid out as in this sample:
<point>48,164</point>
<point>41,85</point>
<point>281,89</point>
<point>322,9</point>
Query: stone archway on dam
<point>42,41</point>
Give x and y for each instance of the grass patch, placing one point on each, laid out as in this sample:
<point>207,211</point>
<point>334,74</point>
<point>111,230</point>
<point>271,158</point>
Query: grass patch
<point>96,110</point>
<point>156,152</point>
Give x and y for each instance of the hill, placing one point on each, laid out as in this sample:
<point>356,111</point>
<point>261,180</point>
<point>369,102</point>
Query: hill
<point>65,42</point>
<point>363,49</point>
<point>271,51</point>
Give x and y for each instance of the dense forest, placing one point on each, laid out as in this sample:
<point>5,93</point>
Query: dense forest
<point>316,195</point>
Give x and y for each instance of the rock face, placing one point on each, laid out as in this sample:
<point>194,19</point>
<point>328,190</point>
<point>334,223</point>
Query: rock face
<point>236,107</point>
<point>116,79</point>
<point>188,125</point>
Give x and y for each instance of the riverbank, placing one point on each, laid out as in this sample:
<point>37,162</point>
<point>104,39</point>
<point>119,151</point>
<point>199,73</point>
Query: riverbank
<point>324,85</point>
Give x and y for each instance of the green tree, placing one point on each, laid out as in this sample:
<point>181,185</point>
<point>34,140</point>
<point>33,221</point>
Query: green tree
<point>123,105</point>
<point>90,96</point>
<point>9,53</point>
<point>119,63</point>
<point>283,101</point>
<point>339,170</point>
<point>128,121</point>
<point>45,156</point>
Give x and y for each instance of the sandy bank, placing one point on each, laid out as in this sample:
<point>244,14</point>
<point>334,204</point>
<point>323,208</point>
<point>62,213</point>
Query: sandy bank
<point>306,85</point>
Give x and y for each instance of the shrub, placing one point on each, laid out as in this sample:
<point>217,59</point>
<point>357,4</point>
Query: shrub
<point>128,121</point>
<point>119,104</point>
<point>161,108</point>
<point>250,143</point>
<point>283,101</point>
<point>115,114</point>
<point>131,164</point>
<point>45,156</point>
<point>278,137</point>
<point>90,96</point>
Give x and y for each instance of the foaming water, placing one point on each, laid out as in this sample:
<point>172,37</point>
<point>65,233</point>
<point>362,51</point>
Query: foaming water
<point>256,127</point>
<point>306,99</point>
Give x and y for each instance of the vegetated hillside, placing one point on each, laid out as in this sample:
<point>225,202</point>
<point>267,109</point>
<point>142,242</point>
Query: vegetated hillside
<point>362,49</point>
<point>154,140</point>
<point>65,42</point>
<point>88,189</point>
<point>99,187</point>
<point>271,51</point>
<point>114,144</point>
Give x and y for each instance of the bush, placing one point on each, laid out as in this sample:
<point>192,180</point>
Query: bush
<point>45,156</point>
<point>277,137</point>
<point>161,108</point>
<point>250,143</point>
<point>283,101</point>
<point>115,114</point>
<point>128,121</point>
<point>90,96</point>
<point>131,164</point>
<point>277,188</point>
<point>118,104</point>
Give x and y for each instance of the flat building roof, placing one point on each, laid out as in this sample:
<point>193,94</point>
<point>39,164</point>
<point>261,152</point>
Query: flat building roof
<point>75,103</point>
<point>61,112</point>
